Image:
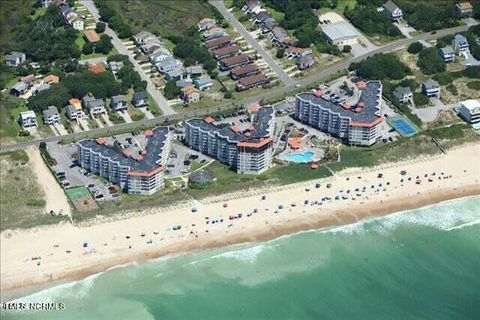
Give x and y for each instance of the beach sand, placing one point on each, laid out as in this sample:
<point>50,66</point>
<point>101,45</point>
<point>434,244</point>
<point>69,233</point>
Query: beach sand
<point>55,198</point>
<point>137,239</point>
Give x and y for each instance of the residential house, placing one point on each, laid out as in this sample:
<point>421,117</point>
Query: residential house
<point>91,36</point>
<point>470,111</point>
<point>42,87</point>
<point>143,37</point>
<point>269,24</point>
<point>14,59</point>
<point>51,79</point>
<point>403,94</point>
<point>261,17</point>
<point>244,71</point>
<point>431,88</point>
<point>218,43</point>
<point>118,103</point>
<point>447,54</point>
<point>72,18</point>
<point>28,80</point>
<point>305,62</point>
<point>251,82</point>
<point>182,83</point>
<point>280,37</point>
<point>74,109</point>
<point>464,9</point>
<point>250,6</point>
<point>174,74</point>
<point>193,71</point>
<point>19,89</point>
<point>460,44</point>
<point>393,11</point>
<point>27,119</point>
<point>168,64</point>
<point>190,94</point>
<point>115,66</point>
<point>140,99</point>
<point>203,83</point>
<point>296,52</point>
<point>92,105</point>
<point>213,33</point>
<point>160,56</point>
<point>47,3</point>
<point>153,46</point>
<point>51,115</point>
<point>233,62</point>
<point>44,3</point>
<point>226,52</point>
<point>206,24</point>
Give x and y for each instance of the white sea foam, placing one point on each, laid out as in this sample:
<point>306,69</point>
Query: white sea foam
<point>444,216</point>
<point>249,254</point>
<point>468,224</point>
<point>74,289</point>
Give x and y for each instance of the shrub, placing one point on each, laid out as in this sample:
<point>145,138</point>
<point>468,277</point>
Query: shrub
<point>453,89</point>
<point>443,78</point>
<point>420,99</point>
<point>415,47</point>
<point>100,27</point>
<point>346,49</point>
<point>280,53</point>
<point>475,85</point>
<point>430,62</point>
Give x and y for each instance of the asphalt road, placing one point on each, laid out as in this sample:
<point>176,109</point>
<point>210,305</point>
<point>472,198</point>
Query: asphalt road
<point>272,94</point>
<point>118,44</point>
<point>220,5</point>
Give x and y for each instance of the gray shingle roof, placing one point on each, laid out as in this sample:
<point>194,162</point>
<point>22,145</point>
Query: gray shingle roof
<point>154,147</point>
<point>370,96</point>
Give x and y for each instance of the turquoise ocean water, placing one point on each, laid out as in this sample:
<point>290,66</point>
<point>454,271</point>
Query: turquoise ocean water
<point>419,264</point>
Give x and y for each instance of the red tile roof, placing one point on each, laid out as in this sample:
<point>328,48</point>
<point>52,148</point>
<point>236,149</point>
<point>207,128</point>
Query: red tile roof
<point>145,174</point>
<point>234,60</point>
<point>227,50</point>
<point>258,144</point>
<point>366,124</point>
<point>218,41</point>
<point>252,79</point>
<point>238,71</point>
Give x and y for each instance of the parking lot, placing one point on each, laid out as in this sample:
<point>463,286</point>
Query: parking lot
<point>72,175</point>
<point>181,158</point>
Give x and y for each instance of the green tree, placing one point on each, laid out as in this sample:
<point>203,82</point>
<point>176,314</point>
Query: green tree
<point>100,27</point>
<point>87,48</point>
<point>420,99</point>
<point>347,49</point>
<point>104,45</point>
<point>171,90</point>
<point>415,47</point>
<point>280,53</point>
<point>430,62</point>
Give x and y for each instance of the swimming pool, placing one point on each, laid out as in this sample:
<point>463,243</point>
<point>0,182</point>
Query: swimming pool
<point>300,157</point>
<point>403,126</point>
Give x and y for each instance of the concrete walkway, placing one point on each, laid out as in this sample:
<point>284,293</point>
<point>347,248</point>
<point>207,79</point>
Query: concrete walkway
<point>122,49</point>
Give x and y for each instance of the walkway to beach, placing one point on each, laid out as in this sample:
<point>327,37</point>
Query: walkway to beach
<point>55,198</point>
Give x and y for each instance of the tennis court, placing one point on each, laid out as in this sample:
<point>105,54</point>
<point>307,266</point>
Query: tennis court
<point>79,192</point>
<point>403,126</point>
<point>81,199</point>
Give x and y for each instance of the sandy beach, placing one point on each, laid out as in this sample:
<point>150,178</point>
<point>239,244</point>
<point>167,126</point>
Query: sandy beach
<point>67,252</point>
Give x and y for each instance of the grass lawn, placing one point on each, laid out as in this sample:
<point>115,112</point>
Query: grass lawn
<point>277,15</point>
<point>452,132</point>
<point>23,205</point>
<point>166,17</point>
<point>39,12</point>
<point>80,41</point>
<point>9,127</point>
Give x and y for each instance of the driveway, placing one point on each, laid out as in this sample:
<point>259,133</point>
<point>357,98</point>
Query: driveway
<point>429,114</point>
<point>405,29</point>
<point>253,42</point>
<point>122,49</point>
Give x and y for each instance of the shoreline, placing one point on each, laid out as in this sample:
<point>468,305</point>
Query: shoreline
<point>262,227</point>
<point>169,253</point>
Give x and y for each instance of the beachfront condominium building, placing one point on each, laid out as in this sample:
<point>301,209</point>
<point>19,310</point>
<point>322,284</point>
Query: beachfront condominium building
<point>135,163</point>
<point>356,121</point>
<point>248,151</point>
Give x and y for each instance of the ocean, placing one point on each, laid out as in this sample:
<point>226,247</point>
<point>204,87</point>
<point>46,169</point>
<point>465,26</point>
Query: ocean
<point>418,264</point>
